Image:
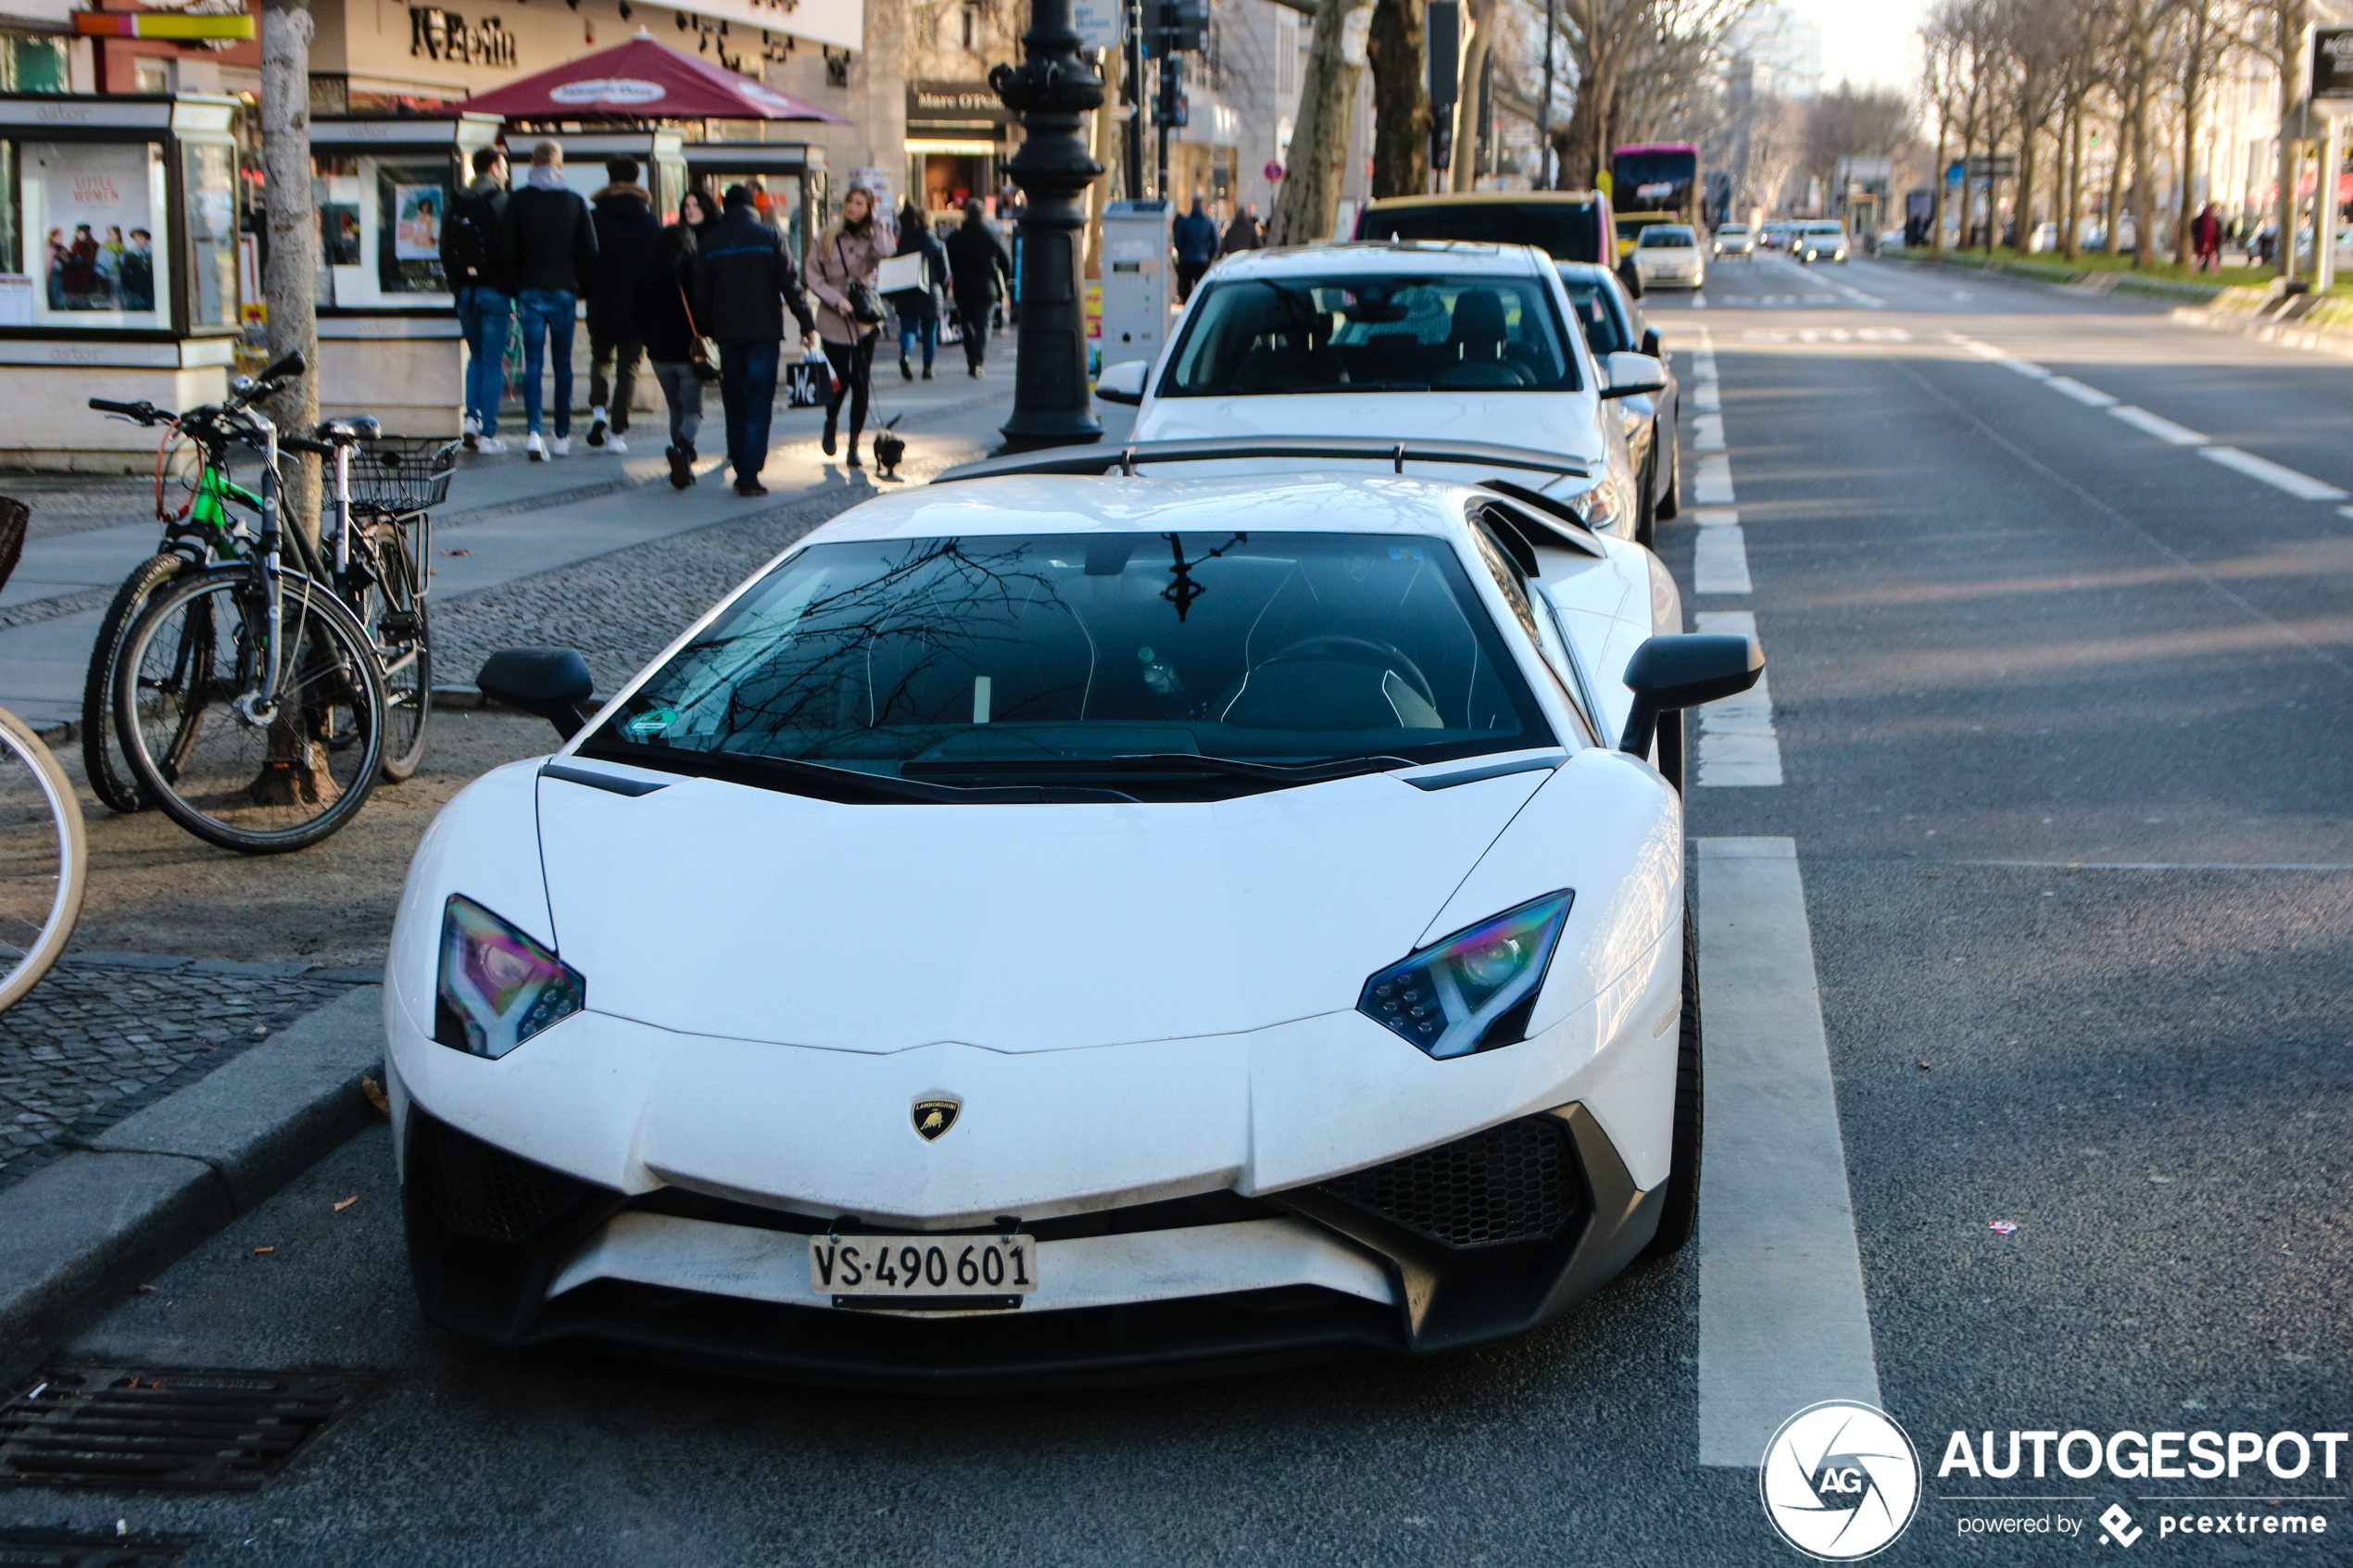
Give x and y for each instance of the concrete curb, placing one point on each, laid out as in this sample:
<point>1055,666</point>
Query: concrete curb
<point>78,1233</point>
<point>2316,338</point>
<point>2051,276</point>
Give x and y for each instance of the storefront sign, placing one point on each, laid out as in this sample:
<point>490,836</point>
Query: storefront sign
<point>2332,67</point>
<point>437,34</point>
<point>955,103</point>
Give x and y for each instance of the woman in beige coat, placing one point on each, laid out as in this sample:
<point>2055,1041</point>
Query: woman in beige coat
<point>850,251</point>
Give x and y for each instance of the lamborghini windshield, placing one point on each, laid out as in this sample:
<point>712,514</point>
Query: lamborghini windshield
<point>1422,333</point>
<point>991,660</point>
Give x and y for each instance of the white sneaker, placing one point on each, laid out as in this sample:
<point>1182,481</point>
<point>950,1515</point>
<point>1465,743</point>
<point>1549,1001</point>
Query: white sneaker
<point>537,445</point>
<point>490,443</point>
<point>563,446</point>
<point>613,442</point>
<point>471,425</point>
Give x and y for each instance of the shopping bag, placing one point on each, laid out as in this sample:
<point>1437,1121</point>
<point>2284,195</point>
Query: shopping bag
<point>807,381</point>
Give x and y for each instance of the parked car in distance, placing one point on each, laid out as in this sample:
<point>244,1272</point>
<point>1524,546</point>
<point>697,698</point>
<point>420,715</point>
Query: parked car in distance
<point>1612,323</point>
<point>1734,239</point>
<point>1565,225</point>
<point>1668,255</point>
<point>1822,239</point>
<point>1774,235</point>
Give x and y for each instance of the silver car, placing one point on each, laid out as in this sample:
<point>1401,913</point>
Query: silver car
<point>1613,324</point>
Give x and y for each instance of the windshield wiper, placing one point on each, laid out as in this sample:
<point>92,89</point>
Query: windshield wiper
<point>1162,762</point>
<point>847,786</point>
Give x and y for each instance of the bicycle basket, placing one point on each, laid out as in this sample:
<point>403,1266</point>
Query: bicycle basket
<point>14,516</point>
<point>397,474</point>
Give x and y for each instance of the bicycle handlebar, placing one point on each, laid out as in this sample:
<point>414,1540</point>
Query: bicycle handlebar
<point>144,412</point>
<point>298,444</point>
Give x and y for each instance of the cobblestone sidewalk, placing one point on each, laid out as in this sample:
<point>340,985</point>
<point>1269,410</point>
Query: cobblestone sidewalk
<point>103,1036</point>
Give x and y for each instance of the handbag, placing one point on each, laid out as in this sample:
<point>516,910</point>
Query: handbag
<point>807,380</point>
<point>863,299</point>
<point>702,352</point>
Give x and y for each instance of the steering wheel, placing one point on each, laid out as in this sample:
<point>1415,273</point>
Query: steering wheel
<point>1348,650</point>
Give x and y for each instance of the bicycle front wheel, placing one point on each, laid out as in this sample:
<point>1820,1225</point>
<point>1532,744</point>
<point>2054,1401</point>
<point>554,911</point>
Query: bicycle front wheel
<point>101,753</point>
<point>43,857</point>
<point>284,781</point>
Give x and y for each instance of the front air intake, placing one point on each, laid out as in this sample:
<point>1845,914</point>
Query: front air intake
<point>480,1191</point>
<point>1513,1183</point>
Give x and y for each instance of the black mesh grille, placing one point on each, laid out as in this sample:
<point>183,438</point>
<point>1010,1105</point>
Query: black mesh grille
<point>485,1193</point>
<point>1518,1182</point>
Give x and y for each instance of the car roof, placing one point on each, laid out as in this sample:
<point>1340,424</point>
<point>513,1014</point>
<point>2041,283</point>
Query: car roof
<point>1338,502</point>
<point>1484,198</point>
<point>1373,256</point>
<point>1584,271</point>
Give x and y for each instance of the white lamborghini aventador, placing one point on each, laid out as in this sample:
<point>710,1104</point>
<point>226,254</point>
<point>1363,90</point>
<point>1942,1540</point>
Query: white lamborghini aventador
<point>1047,924</point>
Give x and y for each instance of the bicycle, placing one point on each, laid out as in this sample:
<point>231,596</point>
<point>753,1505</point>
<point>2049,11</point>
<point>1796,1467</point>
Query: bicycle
<point>248,697</point>
<point>43,856</point>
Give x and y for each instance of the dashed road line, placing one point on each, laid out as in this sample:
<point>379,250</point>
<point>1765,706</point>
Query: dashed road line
<point>1783,1320</point>
<point>2159,425</point>
<point>1712,486</point>
<point>2302,486</point>
<point>1719,553</point>
<point>2068,386</point>
<point>1737,746</point>
<point>1707,433</point>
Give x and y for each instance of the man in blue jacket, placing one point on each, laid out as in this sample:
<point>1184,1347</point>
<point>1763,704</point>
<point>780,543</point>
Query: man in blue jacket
<point>1196,239</point>
<point>626,229</point>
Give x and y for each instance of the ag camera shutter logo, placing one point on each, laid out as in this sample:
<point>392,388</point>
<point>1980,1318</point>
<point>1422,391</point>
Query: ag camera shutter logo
<point>1840,1481</point>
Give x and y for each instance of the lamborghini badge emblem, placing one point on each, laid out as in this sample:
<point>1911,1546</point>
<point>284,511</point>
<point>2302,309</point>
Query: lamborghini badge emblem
<point>933,1117</point>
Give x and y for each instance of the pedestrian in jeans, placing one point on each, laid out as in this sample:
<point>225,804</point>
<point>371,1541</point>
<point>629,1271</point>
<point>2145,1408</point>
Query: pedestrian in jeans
<point>744,281</point>
<point>976,260</point>
<point>1195,236</point>
<point>626,229</point>
<point>850,252</point>
<point>919,308</point>
<point>548,244</point>
<point>667,326</point>
<point>470,252</point>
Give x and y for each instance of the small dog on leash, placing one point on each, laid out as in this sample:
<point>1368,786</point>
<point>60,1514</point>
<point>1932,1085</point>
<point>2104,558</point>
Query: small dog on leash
<point>890,447</point>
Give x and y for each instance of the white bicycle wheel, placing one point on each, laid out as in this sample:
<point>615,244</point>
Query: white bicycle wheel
<point>44,860</point>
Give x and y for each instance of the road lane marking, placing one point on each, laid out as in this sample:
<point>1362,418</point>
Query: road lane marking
<point>1783,1321</point>
<point>1699,301</point>
<point>1707,434</point>
<point>1713,486</point>
<point>2023,366</point>
<point>2158,425</point>
<point>1737,746</point>
<point>1857,294</point>
<point>2301,485</point>
<point>1706,398</point>
<point>2067,386</point>
<point>1717,516</point>
<point>2164,865</point>
<point>1719,560</point>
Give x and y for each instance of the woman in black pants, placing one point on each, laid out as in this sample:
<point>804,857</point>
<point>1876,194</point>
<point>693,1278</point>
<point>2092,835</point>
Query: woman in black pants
<point>850,252</point>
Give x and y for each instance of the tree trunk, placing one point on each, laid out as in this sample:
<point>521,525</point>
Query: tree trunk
<point>289,278</point>
<point>2143,182</point>
<point>2109,220</point>
<point>1401,119</point>
<point>1307,203</point>
<point>2029,131</point>
<point>2291,56</point>
<point>2071,220</point>
<point>2193,76</point>
<point>1478,17</point>
<point>1936,230</point>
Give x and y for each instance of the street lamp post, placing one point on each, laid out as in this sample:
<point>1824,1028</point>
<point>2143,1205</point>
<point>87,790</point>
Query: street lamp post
<point>1053,89</point>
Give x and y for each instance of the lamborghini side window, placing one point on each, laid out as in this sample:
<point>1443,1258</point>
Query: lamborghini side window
<point>1508,580</point>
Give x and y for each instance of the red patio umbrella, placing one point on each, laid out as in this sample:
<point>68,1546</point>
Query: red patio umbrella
<point>643,80</point>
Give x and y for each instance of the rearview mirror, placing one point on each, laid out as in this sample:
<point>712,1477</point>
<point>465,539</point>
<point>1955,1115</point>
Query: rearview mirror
<point>552,682</point>
<point>1124,382</point>
<point>1650,343</point>
<point>1673,672</point>
<point>1629,375</point>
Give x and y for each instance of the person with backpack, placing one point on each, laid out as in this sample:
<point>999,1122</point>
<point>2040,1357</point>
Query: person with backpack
<point>626,229</point>
<point>977,259</point>
<point>470,265</point>
<point>666,323</point>
<point>919,308</point>
<point>841,274</point>
<point>744,281</point>
<point>547,243</point>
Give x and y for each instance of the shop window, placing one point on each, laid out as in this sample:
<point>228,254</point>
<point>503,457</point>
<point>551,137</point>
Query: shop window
<point>379,230</point>
<point>35,64</point>
<point>208,178</point>
<point>968,23</point>
<point>150,76</point>
<point>87,219</point>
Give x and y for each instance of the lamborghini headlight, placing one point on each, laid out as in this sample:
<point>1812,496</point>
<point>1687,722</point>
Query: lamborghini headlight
<point>498,987</point>
<point>1475,990</point>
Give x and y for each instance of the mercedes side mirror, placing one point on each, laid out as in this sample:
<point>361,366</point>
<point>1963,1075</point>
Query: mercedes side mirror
<point>552,682</point>
<point>1670,674</point>
<point>1124,382</point>
<point>1629,375</point>
<point>1650,343</point>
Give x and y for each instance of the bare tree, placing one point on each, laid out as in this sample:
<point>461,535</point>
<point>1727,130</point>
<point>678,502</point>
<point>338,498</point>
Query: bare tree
<point>1307,201</point>
<point>1402,118</point>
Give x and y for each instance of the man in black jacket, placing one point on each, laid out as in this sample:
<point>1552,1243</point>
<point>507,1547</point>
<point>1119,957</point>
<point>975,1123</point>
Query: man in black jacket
<point>626,229</point>
<point>976,261</point>
<point>549,244</point>
<point>745,280</point>
<point>471,265</point>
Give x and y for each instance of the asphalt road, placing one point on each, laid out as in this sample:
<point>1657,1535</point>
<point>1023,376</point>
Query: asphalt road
<point>2062,706</point>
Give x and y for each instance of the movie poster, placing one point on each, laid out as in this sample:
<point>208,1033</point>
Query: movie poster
<point>91,215</point>
<point>416,236</point>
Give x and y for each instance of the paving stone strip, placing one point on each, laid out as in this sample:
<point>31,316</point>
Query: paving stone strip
<point>107,1035</point>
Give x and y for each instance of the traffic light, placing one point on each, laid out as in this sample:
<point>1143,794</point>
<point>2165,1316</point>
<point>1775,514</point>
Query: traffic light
<point>1178,26</point>
<point>1170,106</point>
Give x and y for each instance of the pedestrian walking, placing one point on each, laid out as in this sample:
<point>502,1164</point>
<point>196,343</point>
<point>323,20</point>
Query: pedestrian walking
<point>841,274</point>
<point>744,281</point>
<point>626,229</point>
<point>698,211</point>
<point>470,264</point>
<point>666,323</point>
<point>2205,239</point>
<point>1243,232</point>
<point>979,269</point>
<point>919,308</point>
<point>1195,236</point>
<point>548,241</point>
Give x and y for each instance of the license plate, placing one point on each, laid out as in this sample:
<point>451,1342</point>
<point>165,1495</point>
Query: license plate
<point>964,1272</point>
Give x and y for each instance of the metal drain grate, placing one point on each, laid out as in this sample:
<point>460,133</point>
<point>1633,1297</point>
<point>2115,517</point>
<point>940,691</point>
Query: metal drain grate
<point>68,1548</point>
<point>127,1428</point>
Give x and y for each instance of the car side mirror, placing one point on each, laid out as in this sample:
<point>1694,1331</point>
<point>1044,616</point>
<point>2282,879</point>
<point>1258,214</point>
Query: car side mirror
<point>1670,674</point>
<point>1629,375</point>
<point>1650,343</point>
<point>1628,274</point>
<point>552,682</point>
<point>1124,382</point>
